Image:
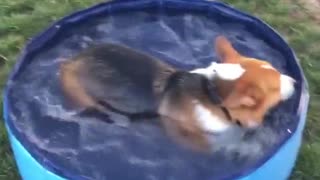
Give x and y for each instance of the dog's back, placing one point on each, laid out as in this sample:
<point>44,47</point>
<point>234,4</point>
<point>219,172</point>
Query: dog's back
<point>114,74</point>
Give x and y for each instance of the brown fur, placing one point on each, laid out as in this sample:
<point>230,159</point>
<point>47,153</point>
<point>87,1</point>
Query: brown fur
<point>255,92</point>
<point>179,118</point>
<point>73,89</point>
<point>180,123</point>
<point>71,85</point>
<point>247,98</point>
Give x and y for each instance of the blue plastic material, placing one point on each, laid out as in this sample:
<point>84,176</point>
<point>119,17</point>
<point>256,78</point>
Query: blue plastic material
<point>28,167</point>
<point>278,167</point>
<point>50,142</point>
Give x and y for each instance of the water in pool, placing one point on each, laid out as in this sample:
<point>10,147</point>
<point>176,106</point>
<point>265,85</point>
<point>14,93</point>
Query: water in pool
<point>93,149</point>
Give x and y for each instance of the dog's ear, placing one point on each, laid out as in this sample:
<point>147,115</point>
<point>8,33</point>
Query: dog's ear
<point>225,50</point>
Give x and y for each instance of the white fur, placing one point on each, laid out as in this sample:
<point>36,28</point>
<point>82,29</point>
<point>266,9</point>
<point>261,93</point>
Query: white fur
<point>286,84</point>
<point>286,87</point>
<point>252,124</point>
<point>206,72</point>
<point>209,121</point>
<point>225,71</point>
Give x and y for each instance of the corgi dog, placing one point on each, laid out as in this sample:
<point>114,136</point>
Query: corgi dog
<point>111,77</point>
<point>257,90</point>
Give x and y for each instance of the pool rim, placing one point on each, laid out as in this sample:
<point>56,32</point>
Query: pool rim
<point>44,37</point>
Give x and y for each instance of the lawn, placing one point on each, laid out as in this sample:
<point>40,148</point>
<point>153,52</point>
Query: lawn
<point>21,19</point>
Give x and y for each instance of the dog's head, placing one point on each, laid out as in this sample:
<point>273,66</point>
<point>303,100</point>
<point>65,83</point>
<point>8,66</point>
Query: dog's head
<point>250,89</point>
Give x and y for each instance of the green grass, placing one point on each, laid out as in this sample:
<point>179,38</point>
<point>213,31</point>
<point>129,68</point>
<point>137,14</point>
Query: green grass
<point>21,19</point>
<point>303,35</point>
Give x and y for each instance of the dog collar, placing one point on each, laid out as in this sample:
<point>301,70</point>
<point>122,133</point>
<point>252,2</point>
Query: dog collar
<point>211,90</point>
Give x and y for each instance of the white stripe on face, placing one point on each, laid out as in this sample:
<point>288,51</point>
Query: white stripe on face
<point>224,71</point>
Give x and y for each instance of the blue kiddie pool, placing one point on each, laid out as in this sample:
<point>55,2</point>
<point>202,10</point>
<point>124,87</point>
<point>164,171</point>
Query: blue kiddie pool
<point>52,141</point>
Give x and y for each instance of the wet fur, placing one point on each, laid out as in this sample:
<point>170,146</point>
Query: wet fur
<point>255,92</point>
<point>103,76</point>
<point>116,77</point>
